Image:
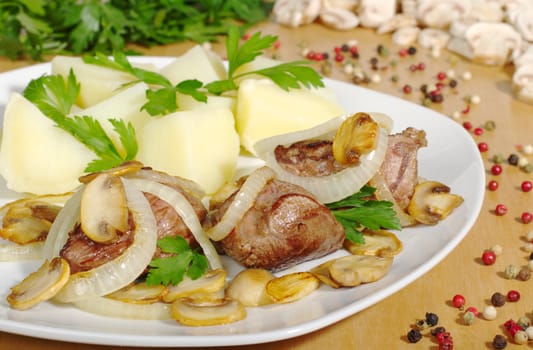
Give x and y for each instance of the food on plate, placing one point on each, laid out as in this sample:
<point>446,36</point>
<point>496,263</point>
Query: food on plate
<point>156,202</point>
<point>284,226</point>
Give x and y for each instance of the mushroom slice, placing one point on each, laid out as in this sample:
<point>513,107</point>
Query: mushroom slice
<point>292,286</point>
<point>322,273</point>
<point>249,287</point>
<point>103,209</point>
<point>357,135</point>
<point>378,243</point>
<point>139,293</point>
<point>127,167</point>
<point>207,311</point>
<point>353,270</point>
<point>432,202</point>
<point>40,285</point>
<point>211,282</point>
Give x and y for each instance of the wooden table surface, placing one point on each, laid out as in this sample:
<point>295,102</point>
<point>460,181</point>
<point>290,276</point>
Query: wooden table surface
<point>385,325</point>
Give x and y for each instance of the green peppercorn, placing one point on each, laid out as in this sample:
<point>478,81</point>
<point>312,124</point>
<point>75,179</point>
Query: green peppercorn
<point>513,159</point>
<point>498,299</point>
<point>490,125</point>
<point>469,317</point>
<point>499,342</point>
<point>524,322</point>
<point>414,335</point>
<point>394,78</point>
<point>498,158</point>
<point>511,271</point>
<point>432,319</point>
<point>528,168</point>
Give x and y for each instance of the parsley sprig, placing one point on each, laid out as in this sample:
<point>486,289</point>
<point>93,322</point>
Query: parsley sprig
<point>161,97</point>
<point>55,96</point>
<point>359,211</point>
<point>172,269</point>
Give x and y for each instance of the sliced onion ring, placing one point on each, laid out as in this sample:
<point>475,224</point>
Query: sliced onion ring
<point>124,269</point>
<point>119,309</point>
<point>182,206</point>
<point>17,252</point>
<point>243,200</point>
<point>341,184</point>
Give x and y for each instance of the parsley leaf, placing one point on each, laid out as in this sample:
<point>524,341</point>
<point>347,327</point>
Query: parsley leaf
<point>359,211</point>
<point>172,269</point>
<point>54,97</point>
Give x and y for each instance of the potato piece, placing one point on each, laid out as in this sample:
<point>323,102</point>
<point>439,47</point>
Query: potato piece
<point>97,83</point>
<point>188,103</point>
<point>199,145</point>
<point>35,155</point>
<point>197,63</point>
<point>264,109</point>
<point>126,105</point>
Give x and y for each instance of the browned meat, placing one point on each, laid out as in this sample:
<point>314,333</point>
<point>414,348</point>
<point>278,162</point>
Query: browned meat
<point>83,254</point>
<point>286,226</point>
<point>308,158</point>
<point>400,166</point>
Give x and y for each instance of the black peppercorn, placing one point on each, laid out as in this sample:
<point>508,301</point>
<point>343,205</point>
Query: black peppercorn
<point>498,299</point>
<point>512,159</point>
<point>531,256</point>
<point>345,48</point>
<point>437,330</point>
<point>432,319</point>
<point>414,335</point>
<point>411,50</point>
<point>453,83</point>
<point>499,342</point>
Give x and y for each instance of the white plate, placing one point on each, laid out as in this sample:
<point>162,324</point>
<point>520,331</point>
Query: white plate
<point>451,157</point>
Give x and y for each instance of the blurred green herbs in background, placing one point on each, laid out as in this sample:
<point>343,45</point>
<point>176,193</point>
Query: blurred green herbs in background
<point>35,28</point>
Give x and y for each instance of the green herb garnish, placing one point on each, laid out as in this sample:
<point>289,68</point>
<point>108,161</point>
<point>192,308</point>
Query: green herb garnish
<point>35,28</point>
<point>161,97</point>
<point>359,211</point>
<point>54,97</point>
<point>172,269</point>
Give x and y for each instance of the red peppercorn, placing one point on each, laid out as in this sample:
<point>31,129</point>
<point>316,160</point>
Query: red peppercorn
<point>443,336</point>
<point>496,169</point>
<point>466,110</point>
<point>339,57</point>
<point>407,89</point>
<point>441,76</point>
<point>500,210</point>
<point>526,217</point>
<point>483,147</point>
<point>526,186</point>
<point>478,131</point>
<point>467,125</point>
<point>488,257</point>
<point>447,344</point>
<point>337,49</point>
<point>421,66</point>
<point>513,295</point>
<point>493,185</point>
<point>403,52</point>
<point>277,44</point>
<point>458,301</point>
<point>413,68</point>
<point>473,310</point>
<point>311,55</point>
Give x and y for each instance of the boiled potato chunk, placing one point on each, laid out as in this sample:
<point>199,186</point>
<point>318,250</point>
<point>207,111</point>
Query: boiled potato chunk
<point>264,110</point>
<point>200,145</point>
<point>96,83</point>
<point>35,155</point>
<point>125,105</point>
<point>187,102</point>
<point>197,63</point>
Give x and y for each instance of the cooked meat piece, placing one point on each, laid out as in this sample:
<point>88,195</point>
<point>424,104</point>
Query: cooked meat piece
<point>308,158</point>
<point>84,254</point>
<point>400,166</point>
<point>286,226</point>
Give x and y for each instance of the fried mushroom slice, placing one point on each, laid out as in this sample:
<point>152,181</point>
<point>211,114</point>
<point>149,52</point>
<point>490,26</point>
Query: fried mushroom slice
<point>249,287</point>
<point>211,282</point>
<point>378,243</point>
<point>207,311</point>
<point>432,202</point>
<point>40,285</point>
<point>292,287</point>
<point>353,270</point>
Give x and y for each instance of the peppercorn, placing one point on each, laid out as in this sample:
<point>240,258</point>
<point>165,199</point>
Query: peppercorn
<point>511,271</point>
<point>469,317</point>
<point>432,319</point>
<point>453,83</point>
<point>499,342</point>
<point>512,159</point>
<point>490,125</point>
<point>437,330</point>
<point>524,274</point>
<point>414,335</point>
<point>524,322</point>
<point>521,337</point>
<point>531,256</point>
<point>498,299</point>
<point>498,158</point>
<point>528,168</point>
<point>411,50</point>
